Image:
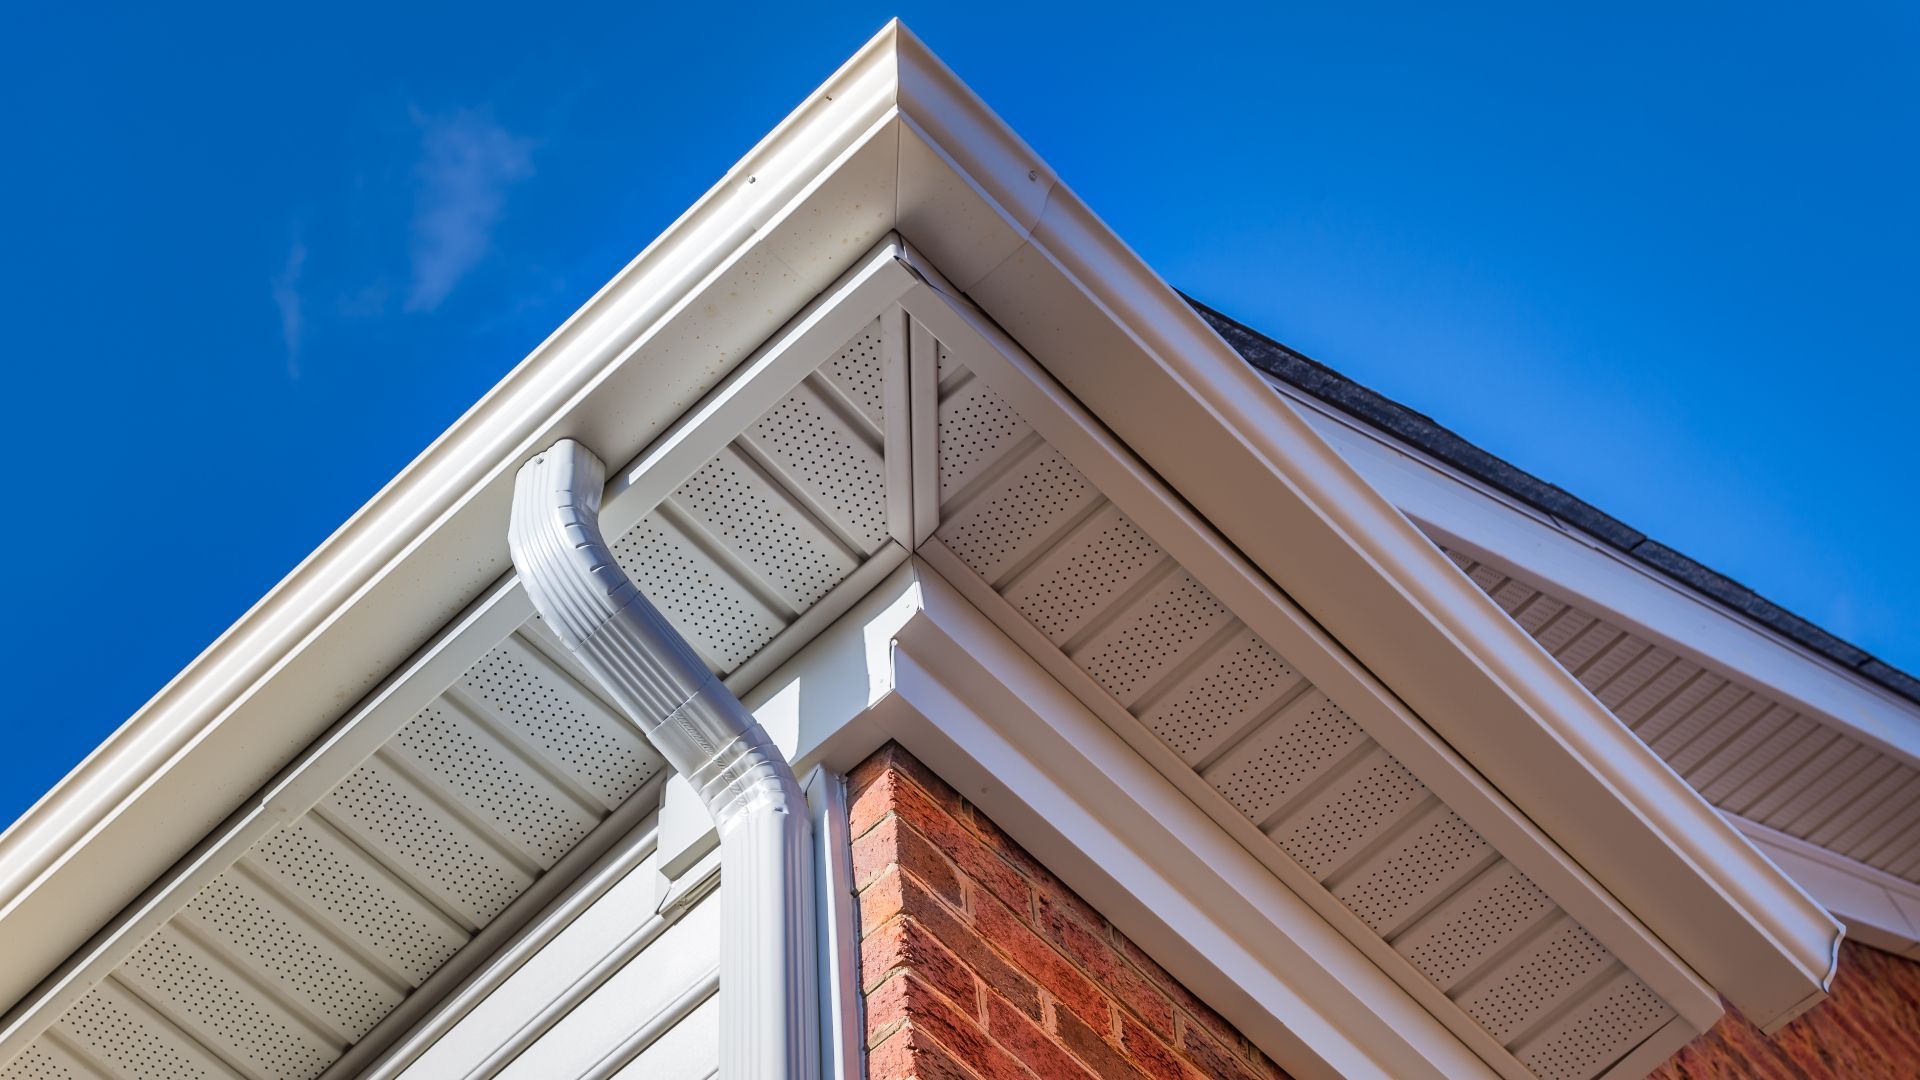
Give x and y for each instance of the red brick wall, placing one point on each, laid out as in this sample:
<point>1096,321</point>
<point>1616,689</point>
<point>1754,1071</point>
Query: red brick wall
<point>1867,1029</point>
<point>977,963</point>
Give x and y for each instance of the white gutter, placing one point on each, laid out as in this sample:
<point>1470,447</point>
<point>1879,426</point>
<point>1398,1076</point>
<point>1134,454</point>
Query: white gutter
<point>767,1008</point>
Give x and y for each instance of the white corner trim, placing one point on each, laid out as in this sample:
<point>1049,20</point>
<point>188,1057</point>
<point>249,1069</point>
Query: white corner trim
<point>843,1042</point>
<point>917,663</point>
<point>1878,909</point>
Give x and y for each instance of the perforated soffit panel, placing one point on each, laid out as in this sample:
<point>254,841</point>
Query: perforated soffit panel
<point>1285,755</point>
<point>298,949</point>
<point>1745,752</point>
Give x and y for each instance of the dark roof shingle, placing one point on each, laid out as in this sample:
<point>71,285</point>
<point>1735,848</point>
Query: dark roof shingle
<point>1430,437</point>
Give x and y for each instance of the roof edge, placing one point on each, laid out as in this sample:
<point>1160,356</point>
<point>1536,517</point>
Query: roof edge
<point>1117,318</point>
<point>1442,443</point>
<point>377,589</point>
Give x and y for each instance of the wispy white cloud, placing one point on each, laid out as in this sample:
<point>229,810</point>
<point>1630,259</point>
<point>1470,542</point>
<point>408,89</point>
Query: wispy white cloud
<point>467,163</point>
<point>286,297</point>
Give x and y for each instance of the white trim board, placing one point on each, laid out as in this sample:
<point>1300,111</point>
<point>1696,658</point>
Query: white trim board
<point>775,232</point>
<point>1467,516</point>
<point>1878,909</point>
<point>1323,661</point>
<point>917,663</point>
<point>865,291</point>
<point>842,1033</point>
<point>1622,858</point>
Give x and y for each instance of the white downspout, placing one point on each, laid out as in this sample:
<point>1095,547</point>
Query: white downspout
<point>767,988</point>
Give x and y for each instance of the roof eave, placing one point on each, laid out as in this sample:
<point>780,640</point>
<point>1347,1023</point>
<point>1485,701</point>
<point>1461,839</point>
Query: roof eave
<point>894,140</point>
<point>809,199</point>
<point>1103,324</point>
<point>1878,703</point>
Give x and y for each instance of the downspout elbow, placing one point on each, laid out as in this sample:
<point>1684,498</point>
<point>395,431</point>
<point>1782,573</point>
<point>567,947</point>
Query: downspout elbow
<point>647,669</point>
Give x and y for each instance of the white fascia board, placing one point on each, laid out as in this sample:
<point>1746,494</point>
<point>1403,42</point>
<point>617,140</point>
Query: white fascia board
<point>1879,909</point>
<point>916,663</point>
<point>1483,524</point>
<point>871,286</point>
<point>1322,660</point>
<point>1148,368</point>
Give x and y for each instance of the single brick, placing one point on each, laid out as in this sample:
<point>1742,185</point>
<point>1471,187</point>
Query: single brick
<point>1092,1048</point>
<point>880,900</point>
<point>862,776</point>
<point>887,1009</point>
<point>870,803</point>
<point>1151,1055</point>
<point>1211,1056</point>
<point>1030,1044</point>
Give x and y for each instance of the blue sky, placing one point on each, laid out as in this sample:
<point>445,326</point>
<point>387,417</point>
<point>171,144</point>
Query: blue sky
<point>255,258</point>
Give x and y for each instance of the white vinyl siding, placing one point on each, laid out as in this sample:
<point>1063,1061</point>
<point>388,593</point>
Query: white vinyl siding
<point>548,1020</point>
